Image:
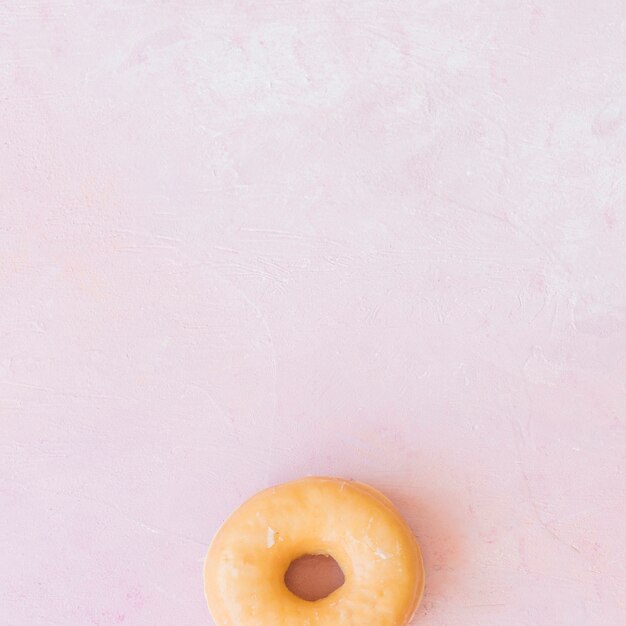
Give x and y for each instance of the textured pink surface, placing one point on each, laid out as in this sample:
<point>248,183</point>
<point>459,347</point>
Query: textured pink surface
<point>245,241</point>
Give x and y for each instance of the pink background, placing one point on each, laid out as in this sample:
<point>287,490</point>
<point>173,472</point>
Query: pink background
<point>245,241</point>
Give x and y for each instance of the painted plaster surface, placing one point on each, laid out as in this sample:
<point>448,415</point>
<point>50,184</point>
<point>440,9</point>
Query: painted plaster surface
<point>245,241</point>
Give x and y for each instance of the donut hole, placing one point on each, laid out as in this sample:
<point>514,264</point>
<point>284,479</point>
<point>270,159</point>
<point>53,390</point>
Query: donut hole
<point>312,577</point>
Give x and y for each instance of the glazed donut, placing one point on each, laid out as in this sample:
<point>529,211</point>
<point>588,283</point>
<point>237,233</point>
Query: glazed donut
<point>244,573</point>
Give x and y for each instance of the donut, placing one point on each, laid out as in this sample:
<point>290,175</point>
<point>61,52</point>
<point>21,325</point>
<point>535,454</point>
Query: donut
<point>244,573</point>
